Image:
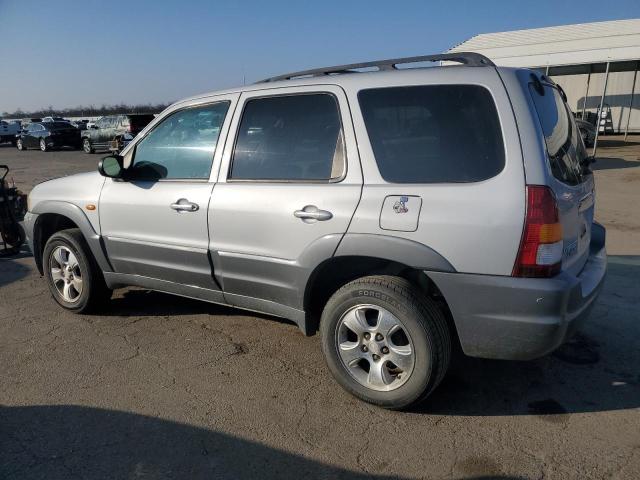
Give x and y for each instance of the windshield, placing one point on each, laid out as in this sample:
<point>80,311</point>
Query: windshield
<point>564,144</point>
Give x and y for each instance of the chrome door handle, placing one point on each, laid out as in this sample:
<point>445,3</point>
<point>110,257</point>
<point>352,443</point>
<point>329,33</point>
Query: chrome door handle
<point>311,212</point>
<point>184,205</point>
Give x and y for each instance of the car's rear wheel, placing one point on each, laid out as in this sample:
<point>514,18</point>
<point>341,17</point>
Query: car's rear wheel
<point>43,145</point>
<point>384,341</point>
<point>19,145</point>
<point>86,146</point>
<point>73,276</point>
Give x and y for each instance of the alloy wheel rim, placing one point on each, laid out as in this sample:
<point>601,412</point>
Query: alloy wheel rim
<point>66,274</point>
<point>19,144</point>
<point>375,347</point>
<point>86,146</point>
<point>43,146</point>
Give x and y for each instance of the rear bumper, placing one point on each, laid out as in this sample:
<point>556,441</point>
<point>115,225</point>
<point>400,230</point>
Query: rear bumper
<point>522,318</point>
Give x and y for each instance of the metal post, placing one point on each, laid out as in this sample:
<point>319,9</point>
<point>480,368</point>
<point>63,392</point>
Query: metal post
<point>604,92</point>
<point>586,94</point>
<point>546,72</point>
<point>633,91</point>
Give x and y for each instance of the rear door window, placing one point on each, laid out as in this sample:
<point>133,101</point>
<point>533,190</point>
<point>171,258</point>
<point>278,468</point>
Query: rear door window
<point>434,133</point>
<point>289,138</point>
<point>564,145</point>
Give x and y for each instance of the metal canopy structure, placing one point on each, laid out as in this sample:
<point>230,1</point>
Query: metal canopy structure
<point>588,48</point>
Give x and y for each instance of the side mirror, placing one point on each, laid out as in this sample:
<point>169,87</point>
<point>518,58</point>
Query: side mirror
<point>111,166</point>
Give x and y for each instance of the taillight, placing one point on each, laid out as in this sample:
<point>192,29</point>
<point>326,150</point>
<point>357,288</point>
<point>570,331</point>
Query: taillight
<point>540,253</point>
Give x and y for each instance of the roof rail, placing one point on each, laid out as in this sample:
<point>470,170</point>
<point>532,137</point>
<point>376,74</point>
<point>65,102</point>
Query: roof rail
<point>470,59</point>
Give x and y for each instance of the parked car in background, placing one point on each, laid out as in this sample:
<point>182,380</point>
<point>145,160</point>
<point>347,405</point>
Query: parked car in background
<point>397,212</point>
<point>48,135</point>
<point>9,131</point>
<point>80,124</point>
<point>587,131</point>
<point>113,132</point>
<point>55,119</point>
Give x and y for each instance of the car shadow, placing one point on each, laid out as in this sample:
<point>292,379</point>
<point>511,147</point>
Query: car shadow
<point>66,441</point>
<point>597,370</point>
<point>11,271</point>
<point>611,163</point>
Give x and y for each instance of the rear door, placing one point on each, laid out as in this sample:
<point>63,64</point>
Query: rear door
<point>105,134</point>
<point>95,131</point>
<point>573,187</point>
<point>289,184</point>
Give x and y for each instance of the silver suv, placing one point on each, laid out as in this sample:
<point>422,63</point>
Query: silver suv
<point>399,212</point>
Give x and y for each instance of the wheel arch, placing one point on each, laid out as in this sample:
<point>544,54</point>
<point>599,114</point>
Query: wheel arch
<point>54,216</point>
<point>363,255</point>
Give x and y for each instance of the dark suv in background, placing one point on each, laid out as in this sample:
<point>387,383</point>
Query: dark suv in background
<point>113,132</point>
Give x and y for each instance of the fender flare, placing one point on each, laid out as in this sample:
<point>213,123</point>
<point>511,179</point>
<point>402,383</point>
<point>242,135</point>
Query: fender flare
<point>396,249</point>
<point>77,216</point>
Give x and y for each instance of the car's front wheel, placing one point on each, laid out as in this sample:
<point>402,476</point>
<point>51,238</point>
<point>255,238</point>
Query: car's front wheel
<point>384,341</point>
<point>20,145</point>
<point>43,145</point>
<point>73,276</point>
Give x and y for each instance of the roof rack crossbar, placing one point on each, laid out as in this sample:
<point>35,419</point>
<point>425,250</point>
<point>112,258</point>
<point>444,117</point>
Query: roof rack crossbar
<point>470,59</point>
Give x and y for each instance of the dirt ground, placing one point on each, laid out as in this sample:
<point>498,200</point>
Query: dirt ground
<point>160,387</point>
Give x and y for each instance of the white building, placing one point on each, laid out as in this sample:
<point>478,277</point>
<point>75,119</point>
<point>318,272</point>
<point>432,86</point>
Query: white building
<point>577,57</point>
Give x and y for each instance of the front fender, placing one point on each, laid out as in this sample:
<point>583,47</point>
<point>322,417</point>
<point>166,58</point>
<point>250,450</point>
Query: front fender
<point>77,216</point>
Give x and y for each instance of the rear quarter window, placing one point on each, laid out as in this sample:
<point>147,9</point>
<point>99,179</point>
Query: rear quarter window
<point>434,133</point>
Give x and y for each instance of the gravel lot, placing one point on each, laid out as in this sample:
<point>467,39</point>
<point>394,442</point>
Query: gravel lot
<point>161,387</point>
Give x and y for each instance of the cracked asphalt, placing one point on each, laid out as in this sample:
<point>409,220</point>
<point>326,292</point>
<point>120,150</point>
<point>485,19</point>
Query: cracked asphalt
<point>160,387</point>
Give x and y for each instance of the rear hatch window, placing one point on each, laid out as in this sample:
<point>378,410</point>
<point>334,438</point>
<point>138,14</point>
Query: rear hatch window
<point>434,133</point>
<point>574,186</point>
<point>138,122</point>
<point>565,150</point>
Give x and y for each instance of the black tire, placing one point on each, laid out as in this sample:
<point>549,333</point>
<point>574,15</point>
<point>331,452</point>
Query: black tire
<point>20,145</point>
<point>12,236</point>
<point>43,145</point>
<point>86,146</point>
<point>421,318</point>
<point>94,290</point>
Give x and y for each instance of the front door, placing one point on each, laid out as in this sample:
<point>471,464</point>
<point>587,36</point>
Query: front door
<point>289,184</point>
<point>154,222</point>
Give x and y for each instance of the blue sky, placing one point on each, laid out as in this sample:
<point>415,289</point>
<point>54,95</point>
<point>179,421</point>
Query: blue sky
<point>67,53</point>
